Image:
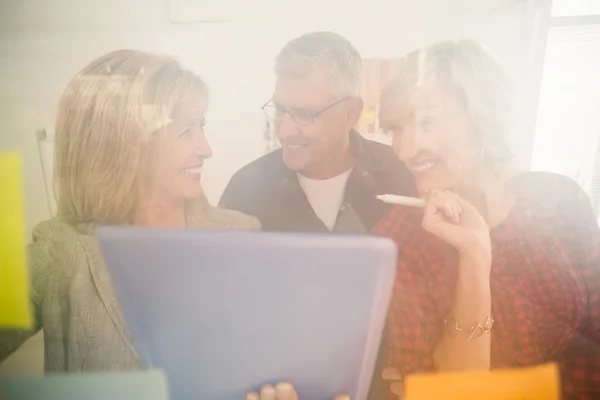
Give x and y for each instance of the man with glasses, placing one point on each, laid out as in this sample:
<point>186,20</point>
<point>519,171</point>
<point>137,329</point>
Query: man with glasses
<point>326,176</point>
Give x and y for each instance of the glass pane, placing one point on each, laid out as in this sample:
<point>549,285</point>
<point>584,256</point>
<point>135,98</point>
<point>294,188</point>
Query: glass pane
<point>567,139</point>
<point>566,8</point>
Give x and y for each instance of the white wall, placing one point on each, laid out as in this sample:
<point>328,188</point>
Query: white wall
<point>43,44</point>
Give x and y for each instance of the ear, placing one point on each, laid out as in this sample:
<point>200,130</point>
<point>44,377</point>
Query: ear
<point>354,111</point>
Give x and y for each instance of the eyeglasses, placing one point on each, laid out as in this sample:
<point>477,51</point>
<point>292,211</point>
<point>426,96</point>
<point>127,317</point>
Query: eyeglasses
<point>300,116</point>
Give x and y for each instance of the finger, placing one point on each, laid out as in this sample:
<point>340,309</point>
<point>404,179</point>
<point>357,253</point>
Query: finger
<point>443,206</point>
<point>455,203</point>
<point>268,393</point>
<point>437,212</point>
<point>462,203</point>
<point>285,391</point>
<point>391,374</point>
<point>450,213</point>
<point>447,203</point>
<point>253,396</point>
<point>438,226</point>
<point>431,212</point>
<point>342,397</point>
<point>397,388</point>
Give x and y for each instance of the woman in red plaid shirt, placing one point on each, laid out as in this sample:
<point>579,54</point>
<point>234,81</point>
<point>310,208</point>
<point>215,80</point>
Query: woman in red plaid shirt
<point>501,269</point>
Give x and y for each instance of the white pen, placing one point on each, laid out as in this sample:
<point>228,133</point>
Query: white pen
<point>401,200</point>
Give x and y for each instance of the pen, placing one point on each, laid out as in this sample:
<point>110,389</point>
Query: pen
<point>401,200</point>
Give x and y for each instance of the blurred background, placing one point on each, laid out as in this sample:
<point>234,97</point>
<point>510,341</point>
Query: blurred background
<point>552,49</point>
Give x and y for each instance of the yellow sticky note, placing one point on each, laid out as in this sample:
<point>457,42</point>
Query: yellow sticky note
<point>15,309</point>
<point>535,383</point>
<point>368,116</point>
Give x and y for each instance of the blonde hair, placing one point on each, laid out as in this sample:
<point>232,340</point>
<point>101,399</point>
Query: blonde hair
<point>470,73</point>
<point>106,116</point>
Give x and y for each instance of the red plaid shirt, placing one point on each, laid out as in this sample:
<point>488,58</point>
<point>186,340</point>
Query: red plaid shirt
<point>545,284</point>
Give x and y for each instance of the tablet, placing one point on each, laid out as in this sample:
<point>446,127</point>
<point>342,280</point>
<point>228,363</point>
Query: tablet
<point>223,313</point>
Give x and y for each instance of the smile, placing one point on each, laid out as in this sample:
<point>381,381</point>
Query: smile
<point>191,171</point>
<point>424,166</point>
<point>295,146</point>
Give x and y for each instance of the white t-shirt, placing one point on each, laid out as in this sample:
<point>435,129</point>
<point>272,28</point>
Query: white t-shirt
<point>325,196</point>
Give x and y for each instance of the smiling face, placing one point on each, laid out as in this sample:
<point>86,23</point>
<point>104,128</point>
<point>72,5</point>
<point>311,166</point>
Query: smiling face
<point>176,156</point>
<point>318,150</point>
<point>129,137</point>
<point>435,139</point>
<point>450,109</point>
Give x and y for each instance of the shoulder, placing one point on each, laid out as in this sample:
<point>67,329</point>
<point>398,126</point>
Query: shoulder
<point>543,182</point>
<point>55,252</point>
<point>247,185</point>
<point>551,205</point>
<point>376,152</point>
<point>377,148</point>
<point>55,231</point>
<point>549,191</point>
<point>392,175</point>
<point>229,219</point>
<point>262,166</point>
<point>61,238</point>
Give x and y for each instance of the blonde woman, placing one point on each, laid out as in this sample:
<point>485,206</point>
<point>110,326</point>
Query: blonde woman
<point>130,146</point>
<point>501,269</point>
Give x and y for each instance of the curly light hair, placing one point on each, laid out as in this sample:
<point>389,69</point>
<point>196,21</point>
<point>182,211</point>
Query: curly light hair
<point>470,73</point>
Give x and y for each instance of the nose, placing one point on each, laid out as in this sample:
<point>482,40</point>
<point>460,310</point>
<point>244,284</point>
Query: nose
<point>202,147</point>
<point>285,127</point>
<point>407,144</point>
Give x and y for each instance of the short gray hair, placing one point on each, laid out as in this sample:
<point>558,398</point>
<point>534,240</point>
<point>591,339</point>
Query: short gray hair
<point>327,50</point>
<point>475,77</point>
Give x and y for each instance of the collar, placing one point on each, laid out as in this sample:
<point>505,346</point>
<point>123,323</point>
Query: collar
<point>369,159</point>
<point>366,155</point>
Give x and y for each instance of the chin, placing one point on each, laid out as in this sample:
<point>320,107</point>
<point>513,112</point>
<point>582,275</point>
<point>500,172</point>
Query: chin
<point>198,194</point>
<point>294,163</point>
<point>192,194</point>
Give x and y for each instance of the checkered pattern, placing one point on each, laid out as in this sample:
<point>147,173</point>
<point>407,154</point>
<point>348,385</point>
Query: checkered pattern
<point>545,283</point>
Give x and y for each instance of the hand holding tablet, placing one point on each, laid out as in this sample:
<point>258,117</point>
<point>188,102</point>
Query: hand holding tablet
<point>281,391</point>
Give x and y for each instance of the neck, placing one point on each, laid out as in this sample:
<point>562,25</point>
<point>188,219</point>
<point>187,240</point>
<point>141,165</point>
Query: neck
<point>334,165</point>
<point>160,216</point>
<point>492,197</point>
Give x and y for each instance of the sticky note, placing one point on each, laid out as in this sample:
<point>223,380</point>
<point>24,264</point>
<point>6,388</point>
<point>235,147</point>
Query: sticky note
<point>535,383</point>
<point>147,384</point>
<point>368,116</point>
<point>15,310</point>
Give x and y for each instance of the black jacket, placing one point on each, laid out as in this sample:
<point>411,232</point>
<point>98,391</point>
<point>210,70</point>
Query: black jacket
<point>270,191</point>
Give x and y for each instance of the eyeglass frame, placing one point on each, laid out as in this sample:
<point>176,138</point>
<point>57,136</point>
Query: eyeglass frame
<point>313,114</point>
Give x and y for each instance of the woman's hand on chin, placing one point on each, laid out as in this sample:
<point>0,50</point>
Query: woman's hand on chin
<point>458,223</point>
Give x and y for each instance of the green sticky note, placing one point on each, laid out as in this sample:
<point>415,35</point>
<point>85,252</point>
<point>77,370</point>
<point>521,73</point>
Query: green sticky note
<point>15,309</point>
<point>147,385</point>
